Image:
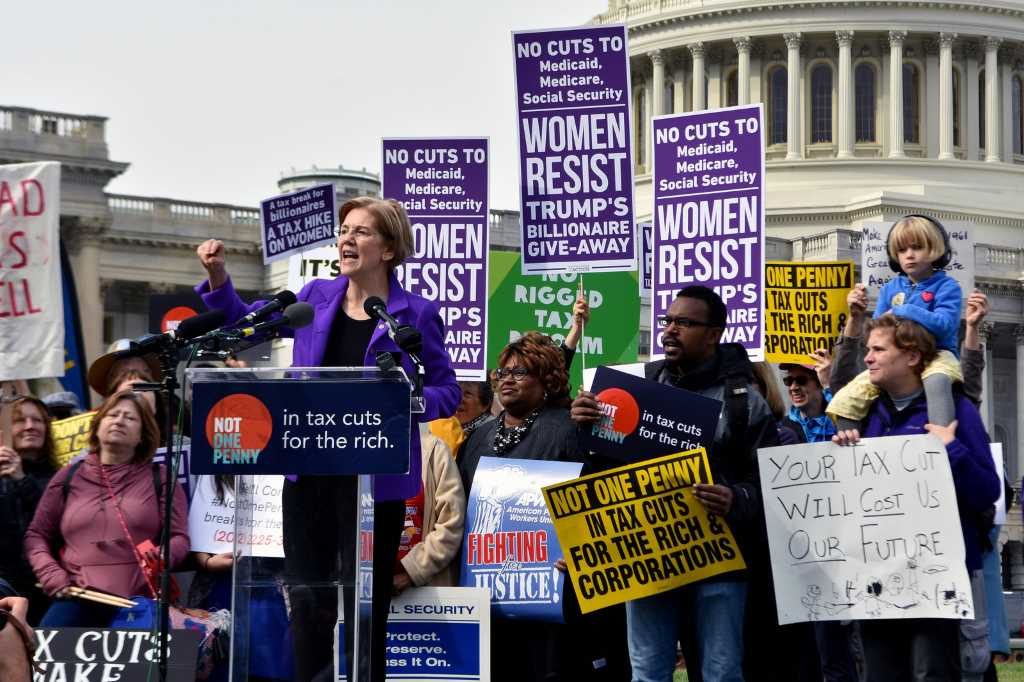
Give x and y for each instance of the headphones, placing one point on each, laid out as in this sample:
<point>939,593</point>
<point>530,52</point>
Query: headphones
<point>943,260</point>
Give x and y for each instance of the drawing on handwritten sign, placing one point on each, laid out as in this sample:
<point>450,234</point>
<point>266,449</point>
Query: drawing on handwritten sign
<point>863,532</point>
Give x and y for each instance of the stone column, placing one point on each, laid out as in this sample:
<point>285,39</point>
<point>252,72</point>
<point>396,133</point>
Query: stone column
<point>896,39</point>
<point>793,110</point>
<point>658,66</point>
<point>946,114</point>
<point>1019,333</point>
<point>970,128</point>
<point>992,111</point>
<point>845,111</point>
<point>742,70</point>
<point>648,128</point>
<point>697,52</point>
<point>679,88</point>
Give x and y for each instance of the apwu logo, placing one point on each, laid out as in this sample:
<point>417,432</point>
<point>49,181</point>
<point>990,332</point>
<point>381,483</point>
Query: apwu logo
<point>621,415</point>
<point>238,428</point>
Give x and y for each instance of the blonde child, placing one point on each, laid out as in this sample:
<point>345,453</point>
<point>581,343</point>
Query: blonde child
<point>918,249</point>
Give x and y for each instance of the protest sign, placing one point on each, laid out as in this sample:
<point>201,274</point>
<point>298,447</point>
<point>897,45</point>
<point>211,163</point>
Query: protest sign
<point>301,423</point>
<point>644,419</point>
<point>508,546</point>
<point>184,475</point>
<point>997,460</point>
<point>443,185</point>
<point>297,221</point>
<point>70,437</point>
<point>874,260</point>
<point>211,517</point>
<point>521,303</point>
<point>31,298</point>
<point>805,307</point>
<point>709,216</point>
<point>101,655</point>
<point>575,163</point>
<point>167,311</point>
<point>319,263</point>
<point>864,532</point>
<point>645,233</point>
<point>638,530</point>
<point>434,633</point>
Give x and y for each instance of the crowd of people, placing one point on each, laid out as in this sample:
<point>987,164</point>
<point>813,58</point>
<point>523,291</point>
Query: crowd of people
<point>94,522</point>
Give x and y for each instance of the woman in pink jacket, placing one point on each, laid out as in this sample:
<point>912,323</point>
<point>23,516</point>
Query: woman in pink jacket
<point>109,506</point>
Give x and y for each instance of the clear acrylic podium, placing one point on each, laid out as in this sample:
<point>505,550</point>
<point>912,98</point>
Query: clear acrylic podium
<point>302,544</point>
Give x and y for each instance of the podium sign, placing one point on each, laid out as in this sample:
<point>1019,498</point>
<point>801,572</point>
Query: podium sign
<point>334,422</point>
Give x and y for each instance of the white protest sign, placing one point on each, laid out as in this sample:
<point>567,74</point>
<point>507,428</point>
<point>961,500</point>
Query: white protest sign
<point>875,270</point>
<point>864,532</point>
<point>997,459</point>
<point>31,300</point>
<point>318,263</point>
<point>211,519</point>
<point>434,633</point>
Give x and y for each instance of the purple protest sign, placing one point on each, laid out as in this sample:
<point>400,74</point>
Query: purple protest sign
<point>709,216</point>
<point>645,231</point>
<point>575,159</point>
<point>443,185</point>
<point>297,221</point>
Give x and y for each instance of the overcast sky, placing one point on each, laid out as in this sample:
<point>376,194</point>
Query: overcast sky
<point>211,100</point>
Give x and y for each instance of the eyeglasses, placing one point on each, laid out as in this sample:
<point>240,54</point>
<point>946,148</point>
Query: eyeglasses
<point>799,381</point>
<point>517,373</point>
<point>359,232</point>
<point>684,322</point>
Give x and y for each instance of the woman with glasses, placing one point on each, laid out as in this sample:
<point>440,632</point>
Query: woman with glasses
<point>25,469</point>
<point>533,385</point>
<point>94,515</point>
<point>374,238</point>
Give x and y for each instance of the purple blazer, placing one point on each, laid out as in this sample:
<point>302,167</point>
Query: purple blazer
<point>440,389</point>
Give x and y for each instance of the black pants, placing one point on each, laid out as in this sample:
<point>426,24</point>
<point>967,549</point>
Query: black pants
<point>915,650</point>
<point>320,544</point>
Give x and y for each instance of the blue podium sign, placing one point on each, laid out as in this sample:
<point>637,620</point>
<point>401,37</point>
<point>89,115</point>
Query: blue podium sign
<point>297,422</point>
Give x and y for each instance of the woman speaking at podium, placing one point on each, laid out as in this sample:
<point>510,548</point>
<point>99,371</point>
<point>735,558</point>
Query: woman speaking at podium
<point>374,237</point>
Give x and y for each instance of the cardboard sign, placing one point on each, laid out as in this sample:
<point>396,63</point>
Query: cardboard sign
<point>575,159</point>
<point>508,547</point>
<point>638,530</point>
<point>434,633</point>
<point>98,655</point>
<point>31,298</point>
<point>645,419</point>
<point>443,185</point>
<point>297,221</point>
<point>709,216</point>
<point>875,270</point>
<point>863,532</point>
<point>211,518</point>
<point>805,307</point>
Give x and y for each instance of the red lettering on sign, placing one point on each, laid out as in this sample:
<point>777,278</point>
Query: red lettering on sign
<point>16,299</point>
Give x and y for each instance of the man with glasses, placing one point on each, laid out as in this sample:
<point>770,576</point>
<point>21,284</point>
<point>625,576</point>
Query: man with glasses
<point>713,610</point>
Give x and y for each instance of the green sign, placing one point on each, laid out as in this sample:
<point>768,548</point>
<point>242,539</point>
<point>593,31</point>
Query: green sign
<point>521,303</point>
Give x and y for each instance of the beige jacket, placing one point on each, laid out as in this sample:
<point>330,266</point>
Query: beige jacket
<point>444,516</point>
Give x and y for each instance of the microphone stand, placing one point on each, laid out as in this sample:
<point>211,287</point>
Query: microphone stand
<point>166,389</point>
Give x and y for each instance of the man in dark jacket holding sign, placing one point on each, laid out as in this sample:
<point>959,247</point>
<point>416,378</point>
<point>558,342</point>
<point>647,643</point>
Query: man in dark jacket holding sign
<point>695,360</point>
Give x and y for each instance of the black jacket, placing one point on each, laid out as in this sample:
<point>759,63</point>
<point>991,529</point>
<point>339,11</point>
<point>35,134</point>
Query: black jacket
<point>18,500</point>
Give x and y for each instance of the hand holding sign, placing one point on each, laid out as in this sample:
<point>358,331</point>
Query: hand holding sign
<point>585,408</point>
<point>211,256</point>
<point>716,498</point>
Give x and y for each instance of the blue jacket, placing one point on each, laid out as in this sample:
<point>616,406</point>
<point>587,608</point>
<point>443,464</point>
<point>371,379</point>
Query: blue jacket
<point>970,459</point>
<point>440,390</point>
<point>935,304</point>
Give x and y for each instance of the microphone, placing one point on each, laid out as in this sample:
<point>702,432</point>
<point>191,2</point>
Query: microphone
<point>278,301</point>
<point>296,316</point>
<point>190,328</point>
<point>407,337</point>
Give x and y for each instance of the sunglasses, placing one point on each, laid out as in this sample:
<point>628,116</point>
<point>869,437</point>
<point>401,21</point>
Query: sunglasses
<point>799,381</point>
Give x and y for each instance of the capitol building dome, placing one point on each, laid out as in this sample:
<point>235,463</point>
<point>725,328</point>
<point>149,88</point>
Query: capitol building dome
<point>872,109</point>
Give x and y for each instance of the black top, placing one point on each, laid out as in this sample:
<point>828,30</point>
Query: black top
<point>18,500</point>
<point>349,339</point>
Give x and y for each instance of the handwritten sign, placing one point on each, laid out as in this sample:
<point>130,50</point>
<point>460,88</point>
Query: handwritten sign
<point>864,532</point>
<point>805,307</point>
<point>875,270</point>
<point>31,298</point>
<point>70,437</point>
<point>211,517</point>
<point>637,530</point>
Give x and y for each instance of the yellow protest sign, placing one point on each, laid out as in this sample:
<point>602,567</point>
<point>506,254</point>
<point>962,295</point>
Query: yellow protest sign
<point>70,436</point>
<point>638,530</point>
<point>804,307</point>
